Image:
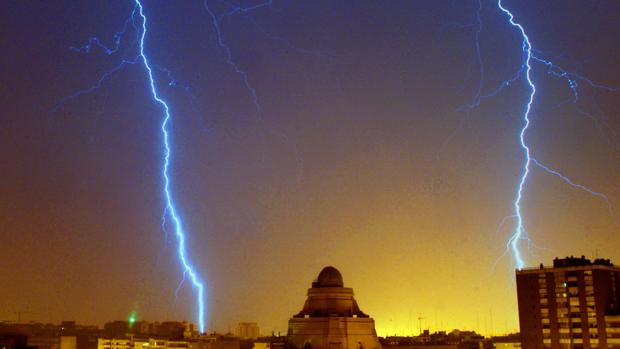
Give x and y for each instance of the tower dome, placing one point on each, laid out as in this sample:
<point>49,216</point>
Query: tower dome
<point>329,277</point>
<point>331,318</point>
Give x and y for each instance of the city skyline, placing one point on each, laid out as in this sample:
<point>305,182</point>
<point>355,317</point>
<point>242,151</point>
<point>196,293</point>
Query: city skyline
<point>383,139</point>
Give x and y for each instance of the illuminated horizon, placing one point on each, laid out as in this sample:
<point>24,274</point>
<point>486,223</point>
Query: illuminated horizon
<point>384,139</point>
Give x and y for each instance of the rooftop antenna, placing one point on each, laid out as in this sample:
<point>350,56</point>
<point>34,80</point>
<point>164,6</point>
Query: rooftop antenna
<point>410,323</point>
<point>491,325</point>
<point>420,318</point>
<point>20,313</point>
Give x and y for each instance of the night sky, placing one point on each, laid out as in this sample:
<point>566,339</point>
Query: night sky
<point>360,155</point>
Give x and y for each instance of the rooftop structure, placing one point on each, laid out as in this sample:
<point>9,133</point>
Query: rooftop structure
<point>331,318</point>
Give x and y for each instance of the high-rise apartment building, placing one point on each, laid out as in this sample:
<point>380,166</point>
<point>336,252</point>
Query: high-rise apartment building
<point>572,305</point>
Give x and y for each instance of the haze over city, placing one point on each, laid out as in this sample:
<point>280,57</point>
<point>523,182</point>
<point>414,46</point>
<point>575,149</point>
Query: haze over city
<point>382,138</point>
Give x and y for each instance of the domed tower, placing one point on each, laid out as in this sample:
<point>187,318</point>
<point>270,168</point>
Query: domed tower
<point>331,318</point>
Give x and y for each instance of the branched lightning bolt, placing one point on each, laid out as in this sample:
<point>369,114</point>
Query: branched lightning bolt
<point>118,36</point>
<point>520,233</point>
<point>105,77</point>
<point>170,209</point>
<point>571,182</point>
<point>170,205</point>
<point>574,81</point>
<point>245,12</point>
<point>216,20</point>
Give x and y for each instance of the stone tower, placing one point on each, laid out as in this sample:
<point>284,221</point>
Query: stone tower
<point>331,318</point>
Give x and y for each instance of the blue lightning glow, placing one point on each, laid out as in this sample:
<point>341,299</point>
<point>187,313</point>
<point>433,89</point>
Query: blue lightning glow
<point>170,209</point>
<point>170,205</point>
<point>571,182</point>
<point>170,215</point>
<point>118,36</point>
<point>479,97</point>
<point>520,233</point>
<point>105,77</point>
<point>574,81</point>
<point>216,20</point>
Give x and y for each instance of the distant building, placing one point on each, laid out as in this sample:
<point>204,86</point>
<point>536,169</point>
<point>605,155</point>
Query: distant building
<point>114,343</point>
<point>270,343</point>
<point>571,305</point>
<point>116,329</point>
<point>219,342</point>
<point>67,335</point>
<point>141,343</point>
<point>171,330</point>
<point>331,318</point>
<point>509,341</point>
<point>456,339</point>
<point>68,342</point>
<point>13,341</point>
<point>247,330</point>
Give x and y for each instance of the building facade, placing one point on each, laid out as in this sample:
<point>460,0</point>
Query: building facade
<point>331,318</point>
<point>571,305</point>
<point>140,343</point>
<point>247,330</point>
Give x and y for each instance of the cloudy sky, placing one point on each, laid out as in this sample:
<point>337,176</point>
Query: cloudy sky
<point>365,148</point>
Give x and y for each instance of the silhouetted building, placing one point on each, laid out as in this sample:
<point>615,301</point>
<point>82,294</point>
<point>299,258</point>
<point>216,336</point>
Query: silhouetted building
<point>68,342</point>
<point>13,341</point>
<point>331,318</point>
<point>573,304</point>
<point>272,342</point>
<point>247,330</point>
<point>171,330</point>
<point>141,343</point>
<point>67,335</point>
<point>509,341</point>
<point>456,339</point>
<point>117,329</point>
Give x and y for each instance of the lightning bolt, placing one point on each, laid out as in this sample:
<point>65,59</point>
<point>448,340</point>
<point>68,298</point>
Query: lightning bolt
<point>520,232</point>
<point>171,210</point>
<point>170,215</point>
<point>571,182</point>
<point>216,20</point>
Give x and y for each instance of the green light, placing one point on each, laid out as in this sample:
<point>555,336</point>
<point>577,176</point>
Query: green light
<point>132,318</point>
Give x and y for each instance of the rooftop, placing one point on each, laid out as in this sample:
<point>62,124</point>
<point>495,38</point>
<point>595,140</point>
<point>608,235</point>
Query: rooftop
<point>571,262</point>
